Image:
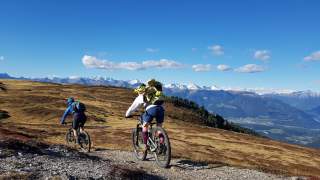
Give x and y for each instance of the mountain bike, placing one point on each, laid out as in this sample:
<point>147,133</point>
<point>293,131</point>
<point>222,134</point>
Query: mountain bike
<point>84,139</point>
<point>160,149</point>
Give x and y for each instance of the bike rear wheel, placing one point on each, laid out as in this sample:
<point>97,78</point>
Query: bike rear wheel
<point>84,141</point>
<point>137,143</point>
<point>163,152</point>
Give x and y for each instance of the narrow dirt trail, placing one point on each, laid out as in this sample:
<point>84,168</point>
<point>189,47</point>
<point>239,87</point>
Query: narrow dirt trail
<point>184,169</point>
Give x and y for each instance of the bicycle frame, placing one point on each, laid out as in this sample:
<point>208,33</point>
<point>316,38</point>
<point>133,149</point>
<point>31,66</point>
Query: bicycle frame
<point>153,145</point>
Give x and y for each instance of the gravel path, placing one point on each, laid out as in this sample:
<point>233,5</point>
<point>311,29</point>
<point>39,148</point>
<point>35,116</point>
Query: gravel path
<point>59,162</point>
<point>185,169</point>
<point>20,160</point>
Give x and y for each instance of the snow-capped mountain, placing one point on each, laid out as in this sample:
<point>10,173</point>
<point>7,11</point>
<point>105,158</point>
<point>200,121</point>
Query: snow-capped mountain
<point>304,94</point>
<point>176,86</point>
<point>134,81</point>
<point>4,76</point>
<point>190,86</point>
<point>194,87</point>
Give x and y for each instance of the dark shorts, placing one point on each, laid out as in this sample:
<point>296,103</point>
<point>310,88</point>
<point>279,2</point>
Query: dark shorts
<point>79,119</point>
<point>156,112</point>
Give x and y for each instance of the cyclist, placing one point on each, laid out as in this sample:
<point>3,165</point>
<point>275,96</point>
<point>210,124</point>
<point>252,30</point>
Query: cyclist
<point>79,117</point>
<point>151,96</point>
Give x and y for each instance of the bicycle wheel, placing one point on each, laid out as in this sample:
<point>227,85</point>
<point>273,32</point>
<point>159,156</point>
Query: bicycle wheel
<point>70,139</point>
<point>84,141</point>
<point>163,152</point>
<point>137,143</point>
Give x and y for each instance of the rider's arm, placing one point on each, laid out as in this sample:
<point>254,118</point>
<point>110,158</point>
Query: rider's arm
<point>65,114</point>
<point>135,105</point>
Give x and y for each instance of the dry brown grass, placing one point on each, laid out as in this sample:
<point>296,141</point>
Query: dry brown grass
<point>36,108</point>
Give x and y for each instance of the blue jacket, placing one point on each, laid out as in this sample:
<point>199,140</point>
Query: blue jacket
<point>68,111</point>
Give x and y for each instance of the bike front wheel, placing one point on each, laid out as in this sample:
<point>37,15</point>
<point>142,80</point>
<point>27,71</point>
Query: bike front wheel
<point>137,143</point>
<point>163,152</point>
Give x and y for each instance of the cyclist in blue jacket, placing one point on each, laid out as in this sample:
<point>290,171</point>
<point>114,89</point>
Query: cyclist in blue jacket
<point>79,117</point>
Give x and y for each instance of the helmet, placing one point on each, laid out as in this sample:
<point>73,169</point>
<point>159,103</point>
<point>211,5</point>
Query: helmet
<point>70,100</point>
<point>156,84</point>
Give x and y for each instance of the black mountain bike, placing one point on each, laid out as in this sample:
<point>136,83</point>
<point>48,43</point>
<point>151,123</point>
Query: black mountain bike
<point>84,139</point>
<point>160,150</point>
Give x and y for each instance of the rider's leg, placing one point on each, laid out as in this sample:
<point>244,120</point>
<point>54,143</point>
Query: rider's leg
<point>159,134</point>
<point>146,117</point>
<point>145,133</point>
<point>75,126</point>
<point>75,135</point>
<point>83,121</point>
<point>160,119</point>
<point>81,129</point>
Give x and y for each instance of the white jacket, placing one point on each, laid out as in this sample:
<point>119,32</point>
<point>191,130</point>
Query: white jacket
<point>138,102</point>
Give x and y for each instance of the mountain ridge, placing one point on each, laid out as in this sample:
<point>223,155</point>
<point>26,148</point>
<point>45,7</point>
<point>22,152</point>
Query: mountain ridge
<point>99,80</point>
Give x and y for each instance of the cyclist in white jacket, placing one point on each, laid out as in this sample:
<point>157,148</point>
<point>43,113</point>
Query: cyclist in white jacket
<point>152,98</point>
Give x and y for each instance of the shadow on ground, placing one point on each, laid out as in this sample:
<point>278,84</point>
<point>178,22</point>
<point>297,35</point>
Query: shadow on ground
<point>188,164</point>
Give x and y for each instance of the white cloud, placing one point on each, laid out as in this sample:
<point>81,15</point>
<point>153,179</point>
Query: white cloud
<point>315,56</point>
<point>216,50</point>
<point>162,63</point>
<point>1,58</point>
<point>201,67</point>
<point>93,62</point>
<point>262,55</point>
<point>223,67</point>
<point>152,50</point>
<point>250,68</point>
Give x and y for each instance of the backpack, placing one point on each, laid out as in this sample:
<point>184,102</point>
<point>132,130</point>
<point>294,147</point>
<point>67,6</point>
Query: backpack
<point>78,107</point>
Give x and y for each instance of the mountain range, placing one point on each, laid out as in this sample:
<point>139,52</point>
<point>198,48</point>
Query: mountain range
<point>286,115</point>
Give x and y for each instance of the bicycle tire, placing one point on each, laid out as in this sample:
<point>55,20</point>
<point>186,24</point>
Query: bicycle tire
<point>139,153</point>
<point>87,141</point>
<point>165,147</point>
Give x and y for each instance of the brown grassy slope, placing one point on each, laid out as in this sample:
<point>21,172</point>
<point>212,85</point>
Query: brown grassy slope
<point>35,110</point>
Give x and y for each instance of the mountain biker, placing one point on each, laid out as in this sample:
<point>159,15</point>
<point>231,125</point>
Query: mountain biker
<point>151,96</point>
<point>79,117</point>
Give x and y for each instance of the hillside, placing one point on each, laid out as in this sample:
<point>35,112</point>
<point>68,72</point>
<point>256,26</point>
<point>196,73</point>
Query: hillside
<point>35,109</point>
<point>283,115</point>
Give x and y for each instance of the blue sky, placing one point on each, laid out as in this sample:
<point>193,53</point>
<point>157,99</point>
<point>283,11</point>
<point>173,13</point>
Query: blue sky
<point>249,44</point>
